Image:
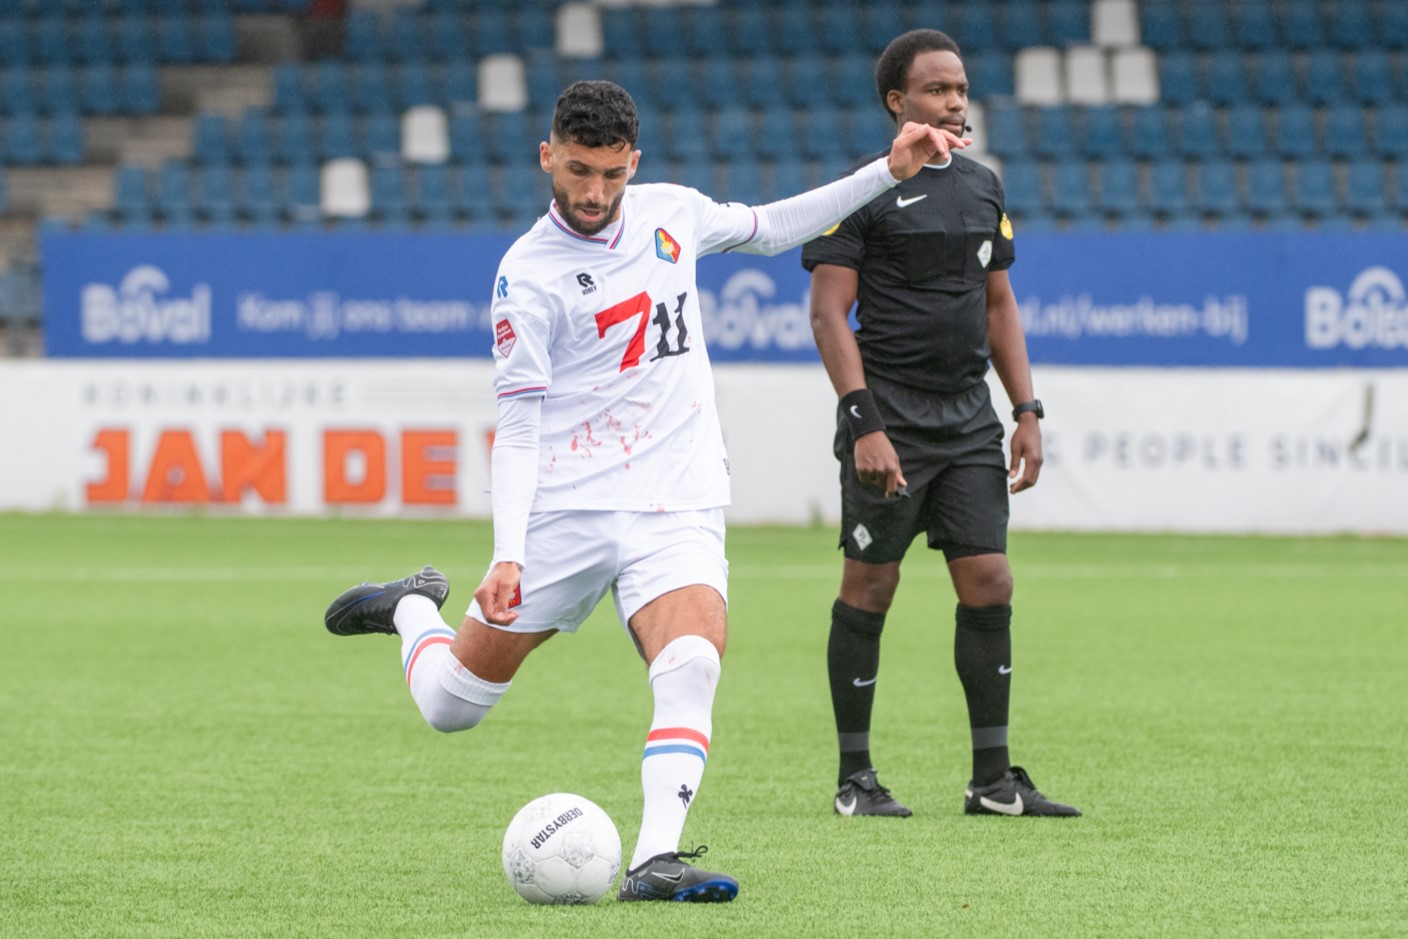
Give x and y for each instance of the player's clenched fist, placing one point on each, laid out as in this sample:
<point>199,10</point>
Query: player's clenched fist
<point>497,591</point>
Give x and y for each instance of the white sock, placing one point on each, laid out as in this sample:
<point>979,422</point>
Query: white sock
<point>449,696</point>
<point>683,678</point>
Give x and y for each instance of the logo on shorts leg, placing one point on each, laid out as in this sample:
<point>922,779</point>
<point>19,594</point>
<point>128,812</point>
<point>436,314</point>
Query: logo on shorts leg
<point>861,536</point>
<point>517,597</point>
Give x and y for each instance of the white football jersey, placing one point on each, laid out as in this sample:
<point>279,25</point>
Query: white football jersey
<point>607,329</point>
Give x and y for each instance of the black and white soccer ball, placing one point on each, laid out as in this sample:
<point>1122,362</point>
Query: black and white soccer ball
<point>562,848</point>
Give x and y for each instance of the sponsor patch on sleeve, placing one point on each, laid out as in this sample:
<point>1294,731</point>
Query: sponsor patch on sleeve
<point>504,337</point>
<point>1005,226</point>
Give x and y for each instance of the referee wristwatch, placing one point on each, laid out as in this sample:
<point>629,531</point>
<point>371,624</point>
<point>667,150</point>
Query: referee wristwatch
<point>1033,406</point>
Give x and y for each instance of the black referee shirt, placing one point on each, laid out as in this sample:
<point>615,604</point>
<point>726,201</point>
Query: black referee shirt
<point>923,251</point>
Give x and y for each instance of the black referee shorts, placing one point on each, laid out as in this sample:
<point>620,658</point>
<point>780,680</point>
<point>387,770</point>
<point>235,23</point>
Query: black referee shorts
<point>950,450</point>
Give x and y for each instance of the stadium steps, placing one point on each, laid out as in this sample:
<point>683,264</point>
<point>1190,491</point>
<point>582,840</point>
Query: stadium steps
<point>68,191</point>
<point>147,141</point>
<point>225,89</point>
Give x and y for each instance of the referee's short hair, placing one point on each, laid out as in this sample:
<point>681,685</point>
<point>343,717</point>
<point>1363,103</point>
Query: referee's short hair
<point>596,114</point>
<point>892,71</point>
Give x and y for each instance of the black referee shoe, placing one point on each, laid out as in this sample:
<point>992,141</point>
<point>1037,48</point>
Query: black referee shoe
<point>370,608</point>
<point>1013,794</point>
<point>862,794</point>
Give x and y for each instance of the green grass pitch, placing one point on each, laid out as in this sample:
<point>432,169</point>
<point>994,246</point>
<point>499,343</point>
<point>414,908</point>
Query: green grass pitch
<point>185,752</point>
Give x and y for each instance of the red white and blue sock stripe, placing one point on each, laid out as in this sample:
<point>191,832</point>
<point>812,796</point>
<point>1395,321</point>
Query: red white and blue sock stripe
<point>431,637</point>
<point>665,740</point>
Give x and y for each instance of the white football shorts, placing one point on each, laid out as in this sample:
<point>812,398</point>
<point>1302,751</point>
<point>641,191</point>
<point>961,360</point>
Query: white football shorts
<point>573,557</point>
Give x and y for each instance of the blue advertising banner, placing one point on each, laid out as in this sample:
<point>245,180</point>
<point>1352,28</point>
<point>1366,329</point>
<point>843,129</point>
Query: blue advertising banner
<point>1257,299</point>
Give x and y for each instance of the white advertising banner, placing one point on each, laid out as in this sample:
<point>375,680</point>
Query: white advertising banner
<point>1127,449</point>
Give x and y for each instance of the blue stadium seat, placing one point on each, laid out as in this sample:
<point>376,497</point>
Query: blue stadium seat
<point>369,87</point>
<point>381,137</point>
<point>1055,131</point>
<point>1295,131</point>
<point>1372,77</point>
<point>257,196</point>
<point>881,24</point>
<point>362,36</point>
<point>1070,189</point>
<point>1101,136</point>
<point>24,143</point>
<point>1007,131</point>
<point>820,133</point>
<point>990,74</point>
<point>1197,135</point>
<point>1067,22</point>
<point>620,32</point>
<point>18,91</point>
<point>977,25</point>
<point>1148,132</point>
<point>175,43</point>
<point>472,189</point>
<point>1344,132</point>
<point>413,84</point>
<point>252,138</point>
<point>58,89</point>
<point>775,133</point>
<point>1301,27</point>
<point>447,35</point>
<point>98,89</point>
<point>808,84</point>
<point>1227,79</point>
<point>433,202</point>
<point>215,37</point>
<point>467,138</point>
<point>388,192</point>
<point>289,94</point>
<point>14,48</point>
<point>761,80</point>
<point>459,86</point>
<point>855,81</point>
<point>1393,27</point>
<point>663,28</point>
<point>1391,132</point>
<point>1168,188</point>
<point>173,195</point>
<point>293,139</point>
<point>1246,131</point>
<point>743,182</point>
<point>301,194</point>
<point>1254,26</point>
<point>715,81</point>
<point>1324,84</point>
<point>1019,24</point>
<point>1118,187</point>
<point>326,84</point>
<point>1021,184</point>
<point>140,90</point>
<point>337,136</point>
<point>528,29</point>
<point>788,178</point>
<point>216,195</point>
<point>49,37</point>
<point>405,39</point>
<point>1266,188</point>
<point>1179,81</point>
<point>212,139</point>
<point>1216,187</point>
<point>838,28</point>
<point>1315,188</point>
<point>1365,194</point>
<point>132,197</point>
<point>731,134</point>
<point>508,138</point>
<point>1273,77</point>
<point>1160,26</point>
<point>1209,27</point>
<point>91,42</point>
<point>1351,26</point>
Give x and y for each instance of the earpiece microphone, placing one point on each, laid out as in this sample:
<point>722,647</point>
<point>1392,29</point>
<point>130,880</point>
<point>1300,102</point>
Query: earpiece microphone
<point>967,128</point>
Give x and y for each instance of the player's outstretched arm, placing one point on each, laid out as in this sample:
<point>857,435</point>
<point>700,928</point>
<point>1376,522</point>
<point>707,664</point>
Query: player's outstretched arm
<point>790,222</point>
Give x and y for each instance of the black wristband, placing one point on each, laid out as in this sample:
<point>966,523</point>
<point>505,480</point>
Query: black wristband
<point>862,416</point>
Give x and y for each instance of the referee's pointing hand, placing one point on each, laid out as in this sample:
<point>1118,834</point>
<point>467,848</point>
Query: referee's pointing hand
<point>917,144</point>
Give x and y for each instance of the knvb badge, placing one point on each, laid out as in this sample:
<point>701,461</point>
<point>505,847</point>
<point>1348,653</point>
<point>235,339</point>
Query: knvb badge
<point>666,247</point>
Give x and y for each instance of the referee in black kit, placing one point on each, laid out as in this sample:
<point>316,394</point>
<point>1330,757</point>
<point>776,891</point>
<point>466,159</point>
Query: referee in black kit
<point>919,443</point>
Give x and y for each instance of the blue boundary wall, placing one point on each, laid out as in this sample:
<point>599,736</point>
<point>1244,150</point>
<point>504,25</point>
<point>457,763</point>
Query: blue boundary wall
<point>1175,299</point>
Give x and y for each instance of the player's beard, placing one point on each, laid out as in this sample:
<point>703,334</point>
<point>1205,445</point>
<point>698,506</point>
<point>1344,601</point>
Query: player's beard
<point>574,222</point>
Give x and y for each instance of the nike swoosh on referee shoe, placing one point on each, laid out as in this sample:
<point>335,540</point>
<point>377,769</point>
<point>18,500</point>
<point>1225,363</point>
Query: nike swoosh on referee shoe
<point>861,684</point>
<point>1015,807</point>
<point>846,808</point>
<point>902,202</point>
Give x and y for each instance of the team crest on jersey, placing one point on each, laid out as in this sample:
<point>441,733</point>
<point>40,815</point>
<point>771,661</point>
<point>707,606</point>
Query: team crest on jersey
<point>666,247</point>
<point>1005,226</point>
<point>985,252</point>
<point>504,338</point>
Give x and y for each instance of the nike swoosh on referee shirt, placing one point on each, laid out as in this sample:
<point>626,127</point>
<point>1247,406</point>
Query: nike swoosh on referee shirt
<point>902,202</point>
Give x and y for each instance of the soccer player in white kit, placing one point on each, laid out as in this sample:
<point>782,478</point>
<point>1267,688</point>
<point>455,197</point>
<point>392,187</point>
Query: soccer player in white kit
<point>609,470</point>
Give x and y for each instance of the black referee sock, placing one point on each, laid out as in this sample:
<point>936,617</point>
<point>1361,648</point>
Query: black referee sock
<point>982,653</point>
<point>852,661</point>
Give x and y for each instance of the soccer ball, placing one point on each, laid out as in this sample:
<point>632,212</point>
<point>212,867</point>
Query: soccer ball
<point>561,848</point>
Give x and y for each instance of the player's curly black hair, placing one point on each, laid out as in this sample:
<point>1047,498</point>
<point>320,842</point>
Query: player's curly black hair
<point>892,71</point>
<point>596,114</point>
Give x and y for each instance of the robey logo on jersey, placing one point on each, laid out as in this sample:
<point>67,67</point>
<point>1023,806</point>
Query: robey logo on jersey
<point>584,280</point>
